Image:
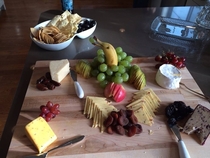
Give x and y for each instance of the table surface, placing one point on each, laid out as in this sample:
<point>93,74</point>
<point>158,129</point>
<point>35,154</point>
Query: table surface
<point>136,39</point>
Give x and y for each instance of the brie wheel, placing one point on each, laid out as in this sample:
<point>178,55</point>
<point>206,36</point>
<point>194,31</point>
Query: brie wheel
<point>168,76</point>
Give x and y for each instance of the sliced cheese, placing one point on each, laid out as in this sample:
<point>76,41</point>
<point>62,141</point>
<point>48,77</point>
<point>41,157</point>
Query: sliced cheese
<point>143,116</point>
<point>199,122</point>
<point>144,104</point>
<point>59,69</point>
<point>168,76</point>
<point>40,133</point>
<point>97,109</point>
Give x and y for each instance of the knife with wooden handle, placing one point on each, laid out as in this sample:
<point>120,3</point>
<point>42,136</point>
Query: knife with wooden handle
<point>77,86</point>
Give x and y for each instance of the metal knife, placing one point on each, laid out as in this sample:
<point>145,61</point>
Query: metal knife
<point>44,155</point>
<point>183,152</point>
<point>78,88</point>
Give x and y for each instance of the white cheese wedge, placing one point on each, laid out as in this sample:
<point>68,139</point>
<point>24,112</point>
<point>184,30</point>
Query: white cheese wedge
<point>168,76</point>
<point>199,122</point>
<point>59,69</point>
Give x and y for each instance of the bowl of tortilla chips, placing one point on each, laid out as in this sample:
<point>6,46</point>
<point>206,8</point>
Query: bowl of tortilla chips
<point>58,33</point>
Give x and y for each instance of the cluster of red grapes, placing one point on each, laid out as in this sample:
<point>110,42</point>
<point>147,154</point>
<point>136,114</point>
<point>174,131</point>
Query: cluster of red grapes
<point>49,111</point>
<point>170,58</point>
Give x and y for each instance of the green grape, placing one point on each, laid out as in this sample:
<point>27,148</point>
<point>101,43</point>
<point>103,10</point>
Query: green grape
<point>109,72</point>
<point>114,68</point>
<point>125,77</point>
<point>103,83</point>
<point>129,58</point>
<point>117,74</point>
<point>94,72</point>
<point>119,58</point>
<point>100,52</point>
<point>101,76</point>
<point>125,63</point>
<point>109,78</point>
<point>121,69</point>
<point>101,58</point>
<point>94,63</point>
<point>117,79</point>
<point>123,55</point>
<point>128,67</point>
<point>119,49</point>
<point>103,67</point>
<point>91,39</point>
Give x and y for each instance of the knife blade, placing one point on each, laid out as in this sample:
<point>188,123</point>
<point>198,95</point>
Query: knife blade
<point>183,152</point>
<point>77,86</point>
<point>69,142</point>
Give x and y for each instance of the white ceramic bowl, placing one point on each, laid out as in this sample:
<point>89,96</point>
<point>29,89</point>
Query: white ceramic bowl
<point>60,46</point>
<point>86,33</point>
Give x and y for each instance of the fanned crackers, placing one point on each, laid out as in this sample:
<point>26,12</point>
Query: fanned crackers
<point>98,109</point>
<point>144,104</point>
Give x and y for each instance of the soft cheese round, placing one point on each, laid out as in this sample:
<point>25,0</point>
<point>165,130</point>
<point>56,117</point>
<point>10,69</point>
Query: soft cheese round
<point>168,76</point>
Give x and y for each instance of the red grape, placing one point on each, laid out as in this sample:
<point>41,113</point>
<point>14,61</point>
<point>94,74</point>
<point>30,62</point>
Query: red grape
<point>47,119</point>
<point>56,106</point>
<point>49,114</point>
<point>57,112</point>
<point>179,64</point>
<point>42,107</point>
<point>42,115</point>
<point>45,110</point>
<point>174,61</point>
<point>182,59</point>
<point>49,111</point>
<point>49,104</point>
<point>158,65</point>
<point>170,58</point>
<point>158,58</point>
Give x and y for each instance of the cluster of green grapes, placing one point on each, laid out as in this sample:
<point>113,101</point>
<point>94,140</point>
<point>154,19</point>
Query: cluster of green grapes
<point>115,73</point>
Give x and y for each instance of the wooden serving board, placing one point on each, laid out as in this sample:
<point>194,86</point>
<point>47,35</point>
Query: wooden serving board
<point>71,122</point>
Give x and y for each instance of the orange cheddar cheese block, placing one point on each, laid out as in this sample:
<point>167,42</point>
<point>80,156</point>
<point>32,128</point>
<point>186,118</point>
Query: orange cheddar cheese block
<point>40,133</point>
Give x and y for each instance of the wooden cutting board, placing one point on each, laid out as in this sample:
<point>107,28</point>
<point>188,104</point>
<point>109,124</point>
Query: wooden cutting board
<point>155,141</point>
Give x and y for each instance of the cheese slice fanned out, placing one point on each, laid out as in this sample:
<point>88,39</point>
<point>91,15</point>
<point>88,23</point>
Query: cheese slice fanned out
<point>97,109</point>
<point>59,69</point>
<point>199,122</point>
<point>40,133</point>
<point>144,103</point>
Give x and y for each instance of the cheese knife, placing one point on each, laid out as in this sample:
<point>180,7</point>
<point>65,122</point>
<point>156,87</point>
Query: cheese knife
<point>44,155</point>
<point>183,152</point>
<point>77,86</point>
